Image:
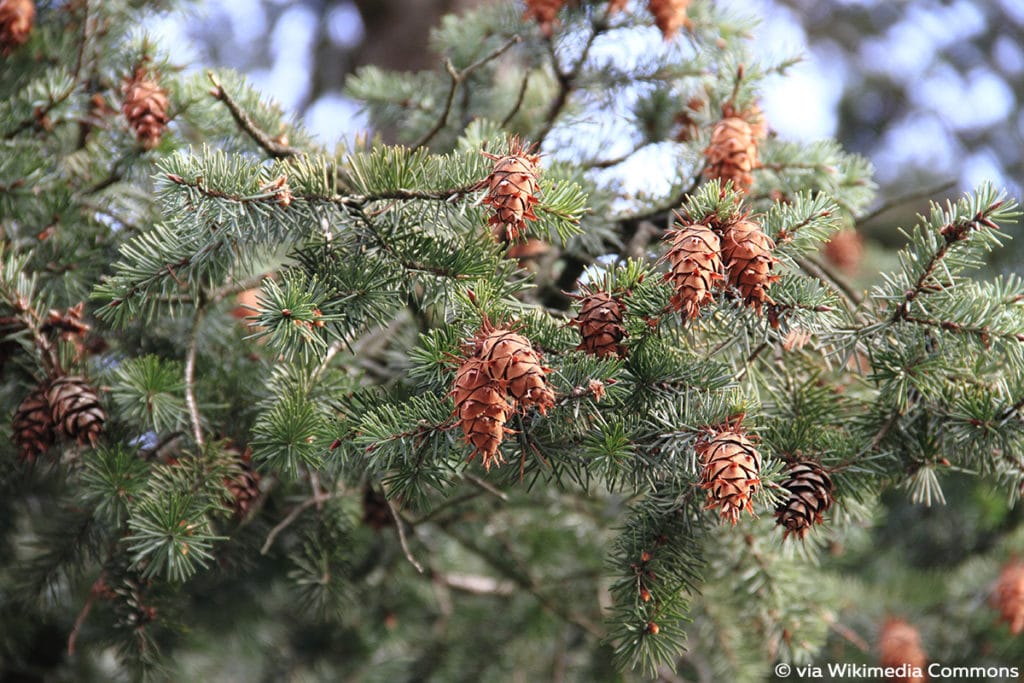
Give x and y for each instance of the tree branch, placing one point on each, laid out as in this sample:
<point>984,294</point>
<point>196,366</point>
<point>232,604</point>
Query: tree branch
<point>458,78</point>
<point>190,372</point>
<point>248,126</point>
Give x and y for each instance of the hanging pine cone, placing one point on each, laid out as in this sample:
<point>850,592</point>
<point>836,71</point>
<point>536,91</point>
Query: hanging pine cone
<point>899,646</point>
<point>695,267</point>
<point>1009,596</point>
<point>32,426</point>
<point>810,495</point>
<point>845,250</point>
<point>747,253</point>
<point>75,409</point>
<point>600,323</point>
<point>512,191</point>
<point>145,107</point>
<point>669,15</point>
<point>732,154</point>
<point>545,12</point>
<point>730,469</point>
<point>16,18</point>
<point>244,486</point>
<point>514,365</point>
<point>481,409</point>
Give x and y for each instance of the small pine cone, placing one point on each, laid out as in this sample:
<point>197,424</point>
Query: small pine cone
<point>669,15</point>
<point>695,267</point>
<point>244,487</point>
<point>732,154</point>
<point>747,253</point>
<point>16,18</point>
<point>545,12</point>
<point>514,365</point>
<point>730,469</point>
<point>512,191</point>
<point>33,426</point>
<point>482,410</point>
<point>145,107</point>
<point>616,6</point>
<point>899,646</point>
<point>810,495</point>
<point>600,323</point>
<point>75,409</point>
<point>1009,596</point>
<point>845,250</point>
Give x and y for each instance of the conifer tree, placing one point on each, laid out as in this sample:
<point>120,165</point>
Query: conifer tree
<point>248,378</point>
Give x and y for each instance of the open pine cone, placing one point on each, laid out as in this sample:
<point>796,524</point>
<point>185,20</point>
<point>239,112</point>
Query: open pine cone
<point>16,19</point>
<point>695,267</point>
<point>145,107</point>
<point>730,471</point>
<point>512,191</point>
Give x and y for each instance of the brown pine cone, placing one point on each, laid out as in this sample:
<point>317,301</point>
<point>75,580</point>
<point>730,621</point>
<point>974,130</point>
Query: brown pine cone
<point>145,107</point>
<point>545,12</point>
<point>512,191</point>
<point>695,267</point>
<point>515,366</point>
<point>75,409</point>
<point>16,18</point>
<point>1009,596</point>
<point>481,409</point>
<point>33,426</point>
<point>730,471</point>
<point>845,250</point>
<point>899,645</point>
<point>732,154</point>
<point>244,486</point>
<point>747,253</point>
<point>600,323</point>
<point>809,496</point>
<point>669,15</point>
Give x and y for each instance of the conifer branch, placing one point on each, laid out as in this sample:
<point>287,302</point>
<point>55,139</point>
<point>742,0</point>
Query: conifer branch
<point>248,126</point>
<point>567,79</point>
<point>190,372</point>
<point>458,77</point>
<point>953,232</point>
<point>400,528</point>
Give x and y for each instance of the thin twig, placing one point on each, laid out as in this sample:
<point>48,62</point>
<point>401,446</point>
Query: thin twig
<point>905,199</point>
<point>519,100</point>
<point>400,526</point>
<point>245,122</point>
<point>458,78</point>
<point>477,481</point>
<point>84,613</point>
<point>290,518</point>
<point>821,271</point>
<point>567,80</point>
<point>190,374</point>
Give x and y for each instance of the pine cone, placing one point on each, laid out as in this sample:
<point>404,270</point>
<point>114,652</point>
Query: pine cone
<point>482,409</point>
<point>600,323</point>
<point>810,495</point>
<point>512,191</point>
<point>732,154</point>
<point>16,18</point>
<point>75,409</point>
<point>32,426</point>
<point>899,645</point>
<point>545,12</point>
<point>669,15</point>
<point>730,471</point>
<point>616,6</point>
<point>695,267</point>
<point>845,250</point>
<point>245,485</point>
<point>747,253</point>
<point>145,107</point>
<point>515,366</point>
<point>1009,596</point>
